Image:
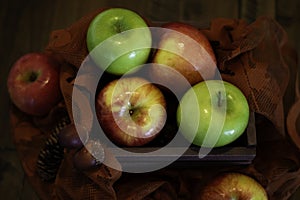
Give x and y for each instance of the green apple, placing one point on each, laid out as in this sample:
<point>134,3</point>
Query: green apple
<point>233,186</point>
<point>213,113</point>
<point>119,40</point>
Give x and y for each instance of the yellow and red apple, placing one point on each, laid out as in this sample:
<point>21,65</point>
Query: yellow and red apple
<point>131,111</point>
<point>183,48</point>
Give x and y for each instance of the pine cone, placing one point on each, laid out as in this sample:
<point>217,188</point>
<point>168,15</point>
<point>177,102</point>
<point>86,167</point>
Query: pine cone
<point>51,155</point>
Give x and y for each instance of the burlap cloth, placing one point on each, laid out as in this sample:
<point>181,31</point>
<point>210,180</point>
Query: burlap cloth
<point>256,57</point>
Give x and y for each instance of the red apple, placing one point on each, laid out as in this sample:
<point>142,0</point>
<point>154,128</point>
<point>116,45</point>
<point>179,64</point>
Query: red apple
<point>183,48</point>
<point>233,186</point>
<point>131,111</point>
<point>33,83</point>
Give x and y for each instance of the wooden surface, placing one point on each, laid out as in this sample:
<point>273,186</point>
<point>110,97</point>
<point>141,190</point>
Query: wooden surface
<point>25,27</point>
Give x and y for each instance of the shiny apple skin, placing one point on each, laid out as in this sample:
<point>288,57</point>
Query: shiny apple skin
<point>233,186</point>
<point>33,83</point>
<point>131,111</point>
<point>197,49</point>
<point>236,112</point>
<point>112,22</point>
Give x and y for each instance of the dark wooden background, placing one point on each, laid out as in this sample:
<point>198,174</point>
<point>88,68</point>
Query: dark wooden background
<point>25,27</point>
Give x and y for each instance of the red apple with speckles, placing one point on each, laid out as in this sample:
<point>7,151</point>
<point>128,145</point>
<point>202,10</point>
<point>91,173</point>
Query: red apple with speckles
<point>184,48</point>
<point>131,111</point>
<point>33,83</point>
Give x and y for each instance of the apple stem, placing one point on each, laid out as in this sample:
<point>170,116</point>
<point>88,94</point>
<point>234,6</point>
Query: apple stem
<point>131,112</point>
<point>118,27</point>
<point>219,99</point>
<point>33,76</point>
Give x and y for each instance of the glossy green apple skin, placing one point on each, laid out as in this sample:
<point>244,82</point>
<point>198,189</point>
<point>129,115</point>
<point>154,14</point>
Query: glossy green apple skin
<point>207,97</point>
<point>233,186</point>
<point>112,22</point>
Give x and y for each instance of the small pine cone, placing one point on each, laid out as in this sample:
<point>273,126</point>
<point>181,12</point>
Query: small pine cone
<point>51,155</point>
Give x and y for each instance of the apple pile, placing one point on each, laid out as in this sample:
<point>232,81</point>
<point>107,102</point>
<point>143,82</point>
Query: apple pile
<point>132,108</point>
<point>132,111</point>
